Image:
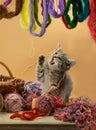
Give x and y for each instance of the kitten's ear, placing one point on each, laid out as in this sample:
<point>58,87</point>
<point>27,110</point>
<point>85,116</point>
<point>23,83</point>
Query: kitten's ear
<point>57,46</point>
<point>70,63</point>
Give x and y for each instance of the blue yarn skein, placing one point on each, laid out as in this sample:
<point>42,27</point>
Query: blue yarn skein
<point>83,9</point>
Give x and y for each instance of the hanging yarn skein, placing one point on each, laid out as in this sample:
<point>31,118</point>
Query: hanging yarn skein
<point>5,14</point>
<point>66,18</point>
<point>36,2</point>
<point>92,19</point>
<point>24,15</point>
<point>83,9</point>
<point>45,18</point>
<point>52,11</point>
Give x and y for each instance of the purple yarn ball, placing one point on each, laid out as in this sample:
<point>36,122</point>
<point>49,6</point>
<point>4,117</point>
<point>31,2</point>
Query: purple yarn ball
<point>32,88</point>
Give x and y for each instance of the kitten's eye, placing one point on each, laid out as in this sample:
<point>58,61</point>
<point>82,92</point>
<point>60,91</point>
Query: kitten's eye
<point>59,58</point>
<point>56,53</point>
<point>67,63</point>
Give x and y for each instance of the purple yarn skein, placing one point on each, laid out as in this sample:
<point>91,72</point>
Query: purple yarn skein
<point>52,11</point>
<point>45,18</point>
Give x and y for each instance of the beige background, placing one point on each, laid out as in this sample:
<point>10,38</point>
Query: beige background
<point>19,49</point>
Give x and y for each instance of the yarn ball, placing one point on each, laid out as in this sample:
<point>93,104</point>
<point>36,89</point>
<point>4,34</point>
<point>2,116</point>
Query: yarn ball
<point>32,87</point>
<point>13,102</point>
<point>45,104</point>
<point>1,102</point>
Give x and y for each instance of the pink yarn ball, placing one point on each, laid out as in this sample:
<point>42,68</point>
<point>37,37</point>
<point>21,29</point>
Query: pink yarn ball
<point>13,102</point>
<point>45,104</point>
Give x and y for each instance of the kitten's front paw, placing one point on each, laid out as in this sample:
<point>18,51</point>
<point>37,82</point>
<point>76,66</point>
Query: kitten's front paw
<point>41,59</point>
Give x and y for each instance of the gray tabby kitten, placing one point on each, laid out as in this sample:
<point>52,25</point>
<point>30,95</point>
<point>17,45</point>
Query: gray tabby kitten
<point>53,74</point>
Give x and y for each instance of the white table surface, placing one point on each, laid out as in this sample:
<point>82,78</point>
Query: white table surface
<point>41,123</point>
<point>5,119</point>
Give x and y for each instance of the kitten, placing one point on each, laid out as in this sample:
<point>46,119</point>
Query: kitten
<point>53,74</point>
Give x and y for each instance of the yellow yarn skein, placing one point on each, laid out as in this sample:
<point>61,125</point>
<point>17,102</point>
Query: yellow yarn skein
<point>25,15</point>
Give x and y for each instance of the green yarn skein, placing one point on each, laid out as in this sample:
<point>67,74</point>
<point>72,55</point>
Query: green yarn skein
<point>72,23</point>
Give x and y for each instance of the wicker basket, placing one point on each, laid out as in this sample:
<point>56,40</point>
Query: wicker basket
<point>9,84</point>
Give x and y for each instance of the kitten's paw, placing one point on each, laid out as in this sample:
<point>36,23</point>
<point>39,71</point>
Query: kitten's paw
<point>41,59</point>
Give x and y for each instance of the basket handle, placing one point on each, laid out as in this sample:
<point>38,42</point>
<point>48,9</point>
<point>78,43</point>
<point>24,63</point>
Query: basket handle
<point>7,68</point>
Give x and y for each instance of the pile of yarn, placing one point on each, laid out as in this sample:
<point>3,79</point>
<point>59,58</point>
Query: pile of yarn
<point>41,106</point>
<point>80,111</point>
